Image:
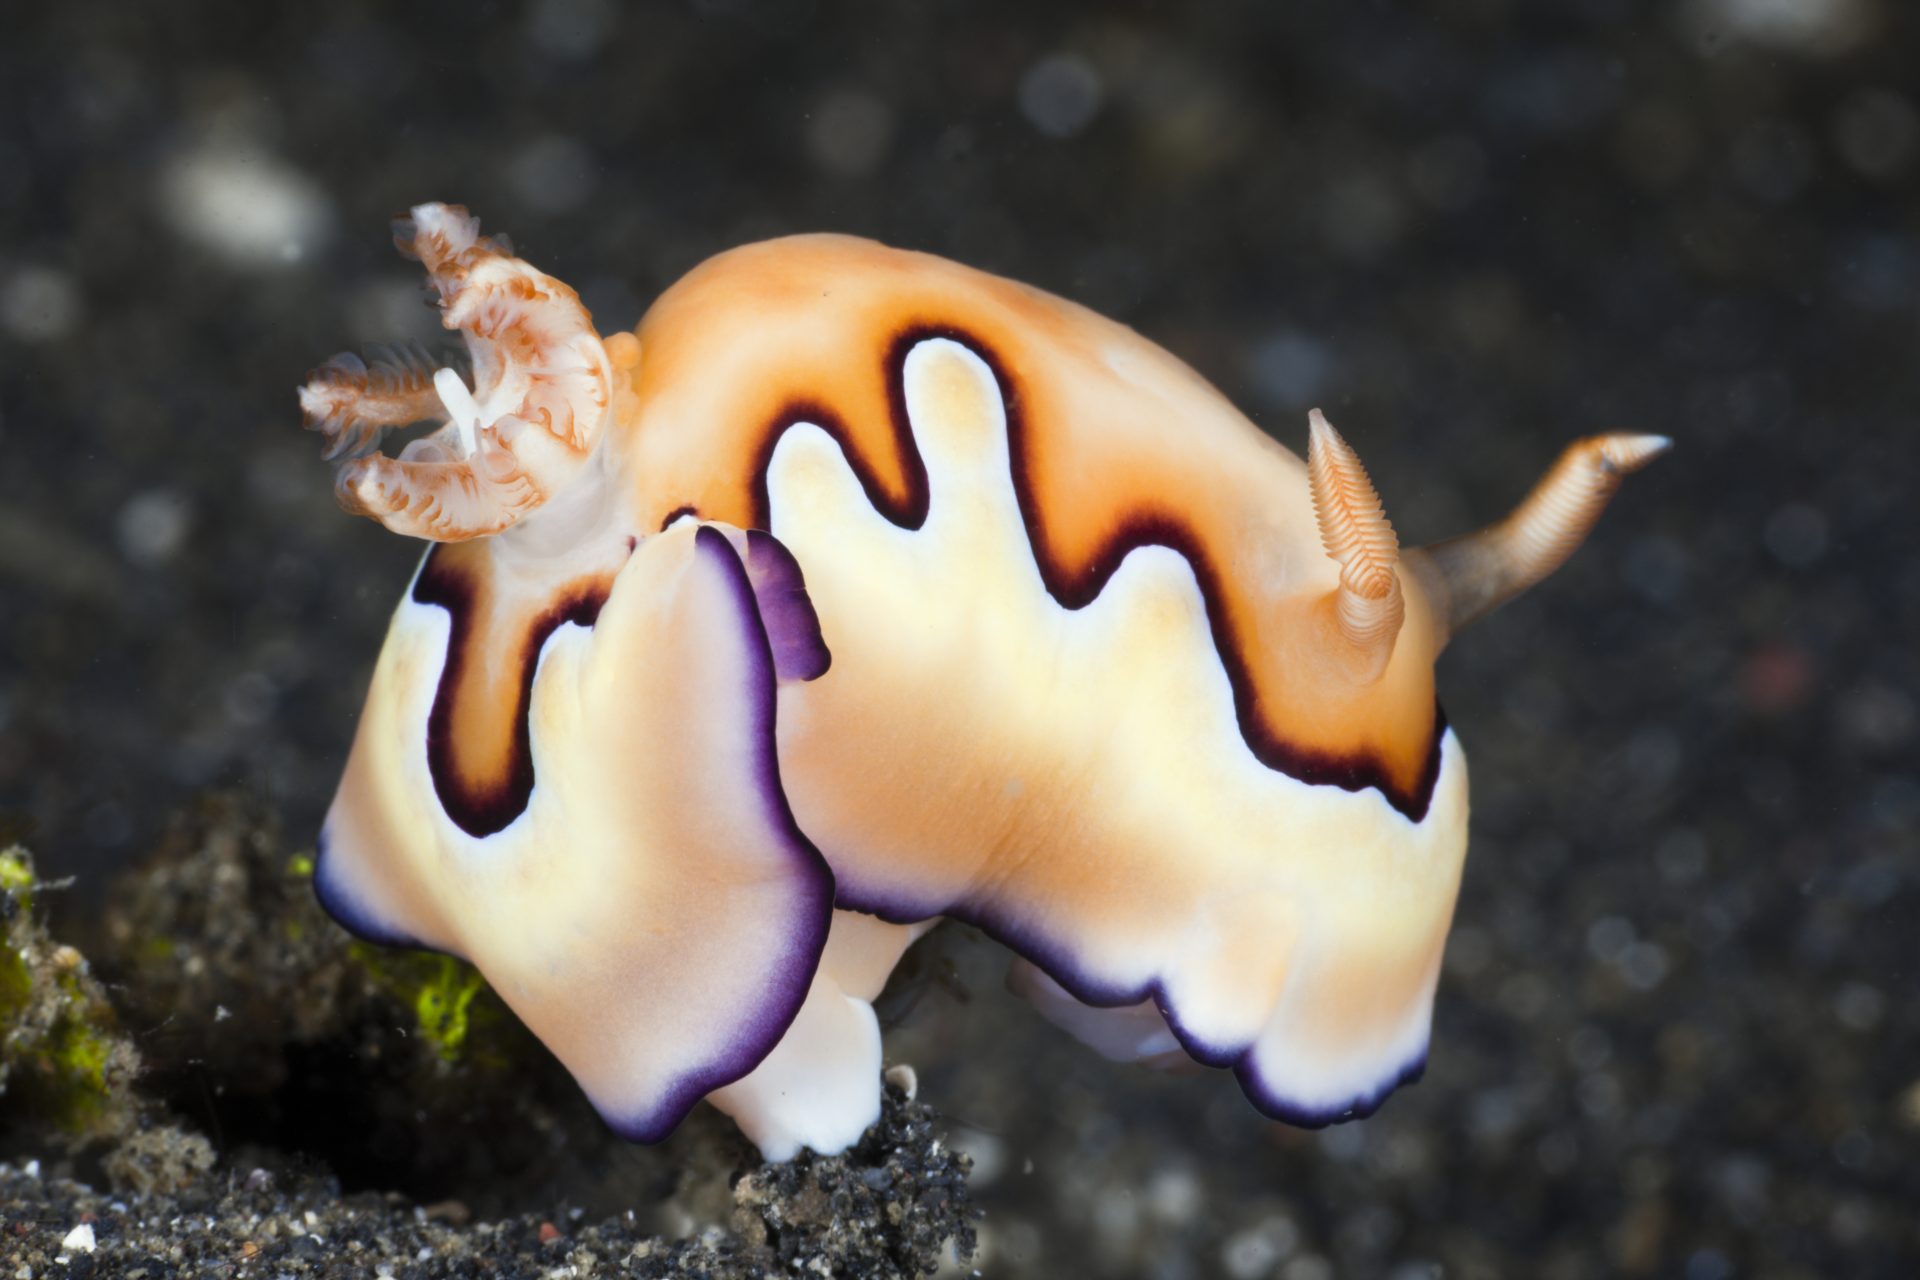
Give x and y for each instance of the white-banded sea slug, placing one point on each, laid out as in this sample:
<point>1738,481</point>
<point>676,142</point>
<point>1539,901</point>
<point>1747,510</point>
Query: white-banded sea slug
<point>857,589</point>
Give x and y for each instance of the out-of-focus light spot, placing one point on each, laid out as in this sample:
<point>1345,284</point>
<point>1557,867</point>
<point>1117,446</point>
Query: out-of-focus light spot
<point>1362,215</point>
<point>1775,680</point>
<point>153,526</point>
<point>1609,937</point>
<point>40,304</point>
<point>1599,1096</point>
<point>1589,1049</point>
<point>1877,131</point>
<point>1816,27</point>
<point>1253,1252</point>
<point>1524,996</point>
<point>1061,94</point>
<point>1854,1149</point>
<point>1345,1142</point>
<point>570,29</point>
<point>1708,1264</point>
<point>1447,173</point>
<point>1796,534</point>
<point>553,174</point>
<point>1174,1194</point>
<point>395,310</point>
<point>1910,1107</point>
<point>849,133</point>
<point>1681,856</point>
<point>1487,313</point>
<point>1644,966</point>
<point>1895,804</point>
<point>1859,1006</point>
<point>1876,272</point>
<point>1289,368</point>
<point>1557,1151</point>
<point>1654,757</point>
<point>1553,93</point>
<point>107,825</point>
<point>1469,951</point>
<point>1656,144</point>
<point>249,699</point>
<point>247,206</point>
<point>1657,567</point>
<point>1493,1115</point>
<point>987,1152</point>
<point>1741,1182</point>
<point>1772,160</point>
<point>1875,717</point>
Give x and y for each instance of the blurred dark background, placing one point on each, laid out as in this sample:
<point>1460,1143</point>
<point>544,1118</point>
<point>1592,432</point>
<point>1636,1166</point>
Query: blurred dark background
<point>1677,1035</point>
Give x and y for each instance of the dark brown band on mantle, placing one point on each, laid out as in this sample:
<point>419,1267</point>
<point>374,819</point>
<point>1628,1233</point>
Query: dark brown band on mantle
<point>908,510</point>
<point>481,810</point>
<point>1074,587</point>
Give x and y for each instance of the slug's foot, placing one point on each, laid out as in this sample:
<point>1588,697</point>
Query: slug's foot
<point>538,403</point>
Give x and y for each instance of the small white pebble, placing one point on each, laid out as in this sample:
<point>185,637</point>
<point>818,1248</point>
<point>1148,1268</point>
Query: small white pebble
<point>81,1238</point>
<point>905,1079</point>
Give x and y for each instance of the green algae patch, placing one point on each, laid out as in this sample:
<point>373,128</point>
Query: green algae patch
<point>63,1060</point>
<point>444,1007</point>
<point>220,945</point>
<point>16,877</point>
<point>455,1012</point>
<point>253,1005</point>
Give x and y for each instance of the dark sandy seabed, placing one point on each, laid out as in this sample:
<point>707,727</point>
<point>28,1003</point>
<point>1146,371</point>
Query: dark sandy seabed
<point>1676,1034</point>
<point>395,1070</point>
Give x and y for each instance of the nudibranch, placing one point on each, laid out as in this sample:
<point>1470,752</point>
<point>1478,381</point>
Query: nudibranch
<point>857,589</point>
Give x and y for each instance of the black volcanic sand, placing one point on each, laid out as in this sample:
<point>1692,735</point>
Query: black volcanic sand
<point>1675,1035</point>
<point>886,1209</point>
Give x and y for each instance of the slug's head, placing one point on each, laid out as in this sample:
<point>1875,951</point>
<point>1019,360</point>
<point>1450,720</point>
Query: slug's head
<point>539,401</point>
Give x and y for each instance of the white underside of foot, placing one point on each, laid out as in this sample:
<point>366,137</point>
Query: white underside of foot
<point>820,1087</point>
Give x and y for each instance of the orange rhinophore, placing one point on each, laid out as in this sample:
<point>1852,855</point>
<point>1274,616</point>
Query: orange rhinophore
<point>858,589</point>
